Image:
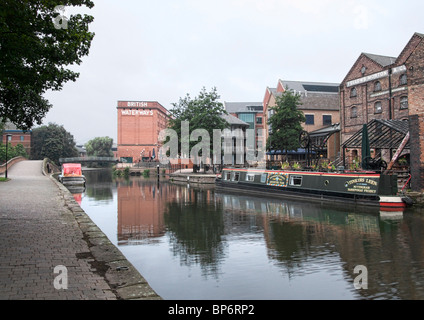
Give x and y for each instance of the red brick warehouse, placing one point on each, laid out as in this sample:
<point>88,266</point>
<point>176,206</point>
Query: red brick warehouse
<point>139,124</point>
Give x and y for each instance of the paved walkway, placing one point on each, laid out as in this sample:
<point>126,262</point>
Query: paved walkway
<point>40,230</point>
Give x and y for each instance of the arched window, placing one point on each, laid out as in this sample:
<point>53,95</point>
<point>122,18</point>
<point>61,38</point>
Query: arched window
<point>377,107</point>
<point>353,92</point>
<point>377,86</point>
<point>404,102</point>
<point>354,112</point>
<point>403,80</point>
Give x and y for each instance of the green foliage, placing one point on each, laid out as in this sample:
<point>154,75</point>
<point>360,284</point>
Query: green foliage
<point>202,112</point>
<point>286,123</point>
<point>52,142</point>
<point>35,54</point>
<point>99,147</point>
<point>146,173</point>
<point>12,152</point>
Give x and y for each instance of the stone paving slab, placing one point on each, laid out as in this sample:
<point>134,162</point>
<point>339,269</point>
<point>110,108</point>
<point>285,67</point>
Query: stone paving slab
<point>43,228</point>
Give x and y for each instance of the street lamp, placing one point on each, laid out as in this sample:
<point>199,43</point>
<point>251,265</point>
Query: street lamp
<point>8,136</point>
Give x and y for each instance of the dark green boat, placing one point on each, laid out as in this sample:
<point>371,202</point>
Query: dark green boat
<point>364,188</point>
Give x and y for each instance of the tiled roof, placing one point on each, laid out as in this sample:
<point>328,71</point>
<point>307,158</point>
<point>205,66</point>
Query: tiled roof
<point>383,61</point>
<point>233,120</point>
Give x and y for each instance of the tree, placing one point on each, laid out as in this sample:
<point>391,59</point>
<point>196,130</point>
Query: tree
<point>285,123</point>
<point>52,142</point>
<point>12,152</point>
<point>99,147</point>
<point>36,44</point>
<point>202,112</point>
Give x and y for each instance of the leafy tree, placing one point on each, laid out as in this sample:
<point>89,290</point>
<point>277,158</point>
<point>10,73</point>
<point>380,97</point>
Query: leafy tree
<point>202,112</point>
<point>37,42</point>
<point>286,123</point>
<point>12,152</point>
<point>52,142</point>
<point>99,147</point>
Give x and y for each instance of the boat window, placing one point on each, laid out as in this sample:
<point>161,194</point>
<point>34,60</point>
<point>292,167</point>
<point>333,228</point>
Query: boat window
<point>250,177</point>
<point>228,176</point>
<point>296,180</point>
<point>263,177</point>
<point>236,176</point>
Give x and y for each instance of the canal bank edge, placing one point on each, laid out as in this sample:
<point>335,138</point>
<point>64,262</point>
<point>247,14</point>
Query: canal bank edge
<point>123,278</point>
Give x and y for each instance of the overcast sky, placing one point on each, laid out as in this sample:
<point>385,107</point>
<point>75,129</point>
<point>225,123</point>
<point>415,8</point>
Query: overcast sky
<point>162,50</point>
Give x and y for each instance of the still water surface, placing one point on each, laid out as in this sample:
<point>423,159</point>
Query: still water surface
<point>193,243</point>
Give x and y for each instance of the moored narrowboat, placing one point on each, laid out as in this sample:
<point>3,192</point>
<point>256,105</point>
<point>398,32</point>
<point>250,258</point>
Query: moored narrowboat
<point>362,188</point>
<point>72,175</point>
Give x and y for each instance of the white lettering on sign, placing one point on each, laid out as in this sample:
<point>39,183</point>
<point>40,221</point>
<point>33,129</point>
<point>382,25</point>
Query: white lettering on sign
<point>136,112</point>
<point>376,76</point>
<point>137,104</point>
<point>371,77</point>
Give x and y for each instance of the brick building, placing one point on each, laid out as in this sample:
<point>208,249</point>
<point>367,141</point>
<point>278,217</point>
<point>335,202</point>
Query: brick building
<point>16,136</point>
<point>139,124</point>
<point>387,88</point>
<point>320,105</point>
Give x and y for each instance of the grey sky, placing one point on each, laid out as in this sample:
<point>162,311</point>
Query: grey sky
<point>162,50</point>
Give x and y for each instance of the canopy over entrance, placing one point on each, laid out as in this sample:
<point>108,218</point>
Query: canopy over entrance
<point>382,134</point>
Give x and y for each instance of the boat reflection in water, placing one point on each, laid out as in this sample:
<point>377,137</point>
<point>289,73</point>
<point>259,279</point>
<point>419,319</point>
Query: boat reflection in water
<point>224,246</point>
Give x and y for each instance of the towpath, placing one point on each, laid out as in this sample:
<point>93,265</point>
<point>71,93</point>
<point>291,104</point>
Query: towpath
<point>51,250</point>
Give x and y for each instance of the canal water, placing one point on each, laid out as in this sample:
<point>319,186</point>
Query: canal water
<point>193,243</point>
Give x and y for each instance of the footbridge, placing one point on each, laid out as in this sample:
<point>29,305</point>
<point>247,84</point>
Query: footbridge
<point>88,159</point>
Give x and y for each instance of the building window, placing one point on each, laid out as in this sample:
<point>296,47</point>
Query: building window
<point>403,80</point>
<point>22,138</point>
<point>377,86</point>
<point>377,107</point>
<point>326,120</point>
<point>258,120</point>
<point>309,119</point>
<point>354,112</point>
<point>353,93</point>
<point>404,102</point>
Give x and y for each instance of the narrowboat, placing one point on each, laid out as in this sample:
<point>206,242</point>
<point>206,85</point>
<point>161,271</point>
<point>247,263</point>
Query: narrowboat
<point>72,175</point>
<point>359,188</point>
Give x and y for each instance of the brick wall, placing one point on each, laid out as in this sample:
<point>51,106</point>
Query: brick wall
<point>415,71</point>
<point>139,125</point>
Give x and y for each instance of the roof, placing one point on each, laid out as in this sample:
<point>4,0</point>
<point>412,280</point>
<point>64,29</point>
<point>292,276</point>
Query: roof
<point>382,134</point>
<point>315,100</point>
<point>234,120</point>
<point>302,86</point>
<point>326,130</point>
<point>383,61</point>
<point>237,107</point>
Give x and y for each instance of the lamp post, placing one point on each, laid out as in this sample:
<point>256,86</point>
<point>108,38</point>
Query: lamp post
<point>8,136</point>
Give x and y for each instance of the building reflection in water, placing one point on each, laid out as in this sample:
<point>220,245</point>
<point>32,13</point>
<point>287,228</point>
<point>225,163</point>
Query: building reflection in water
<point>300,238</point>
